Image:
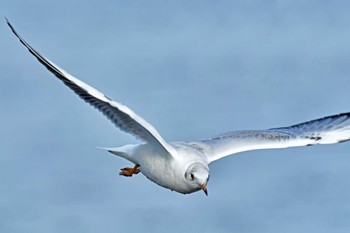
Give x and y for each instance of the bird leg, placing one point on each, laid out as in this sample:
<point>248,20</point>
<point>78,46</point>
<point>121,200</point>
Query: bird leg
<point>127,171</point>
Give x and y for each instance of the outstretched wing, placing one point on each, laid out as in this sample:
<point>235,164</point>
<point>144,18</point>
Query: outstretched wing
<point>122,116</point>
<point>327,130</point>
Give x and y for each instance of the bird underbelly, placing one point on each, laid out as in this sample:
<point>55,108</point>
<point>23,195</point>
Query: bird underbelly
<point>165,174</point>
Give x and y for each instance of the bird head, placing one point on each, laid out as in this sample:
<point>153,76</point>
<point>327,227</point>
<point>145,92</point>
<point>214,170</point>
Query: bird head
<point>197,174</point>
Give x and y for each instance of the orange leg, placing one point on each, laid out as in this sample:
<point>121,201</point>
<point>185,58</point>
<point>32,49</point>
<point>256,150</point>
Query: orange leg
<point>127,171</point>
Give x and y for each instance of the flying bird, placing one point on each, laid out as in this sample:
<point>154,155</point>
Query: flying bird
<point>184,166</point>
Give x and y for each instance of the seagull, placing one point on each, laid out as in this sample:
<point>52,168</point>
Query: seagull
<point>184,166</point>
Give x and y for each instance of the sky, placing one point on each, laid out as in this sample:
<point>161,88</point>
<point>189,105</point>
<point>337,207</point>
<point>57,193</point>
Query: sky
<point>193,69</point>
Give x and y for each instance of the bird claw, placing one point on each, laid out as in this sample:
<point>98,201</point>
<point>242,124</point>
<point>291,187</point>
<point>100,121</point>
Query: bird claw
<point>128,172</point>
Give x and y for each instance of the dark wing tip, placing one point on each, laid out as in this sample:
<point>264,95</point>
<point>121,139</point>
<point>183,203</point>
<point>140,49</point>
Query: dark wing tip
<point>9,24</point>
<point>17,35</point>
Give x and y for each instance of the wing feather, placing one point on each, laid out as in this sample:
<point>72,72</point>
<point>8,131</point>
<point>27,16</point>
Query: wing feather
<point>327,130</point>
<point>120,115</point>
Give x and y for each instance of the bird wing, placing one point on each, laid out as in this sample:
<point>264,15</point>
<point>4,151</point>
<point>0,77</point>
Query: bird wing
<point>122,116</point>
<point>327,130</point>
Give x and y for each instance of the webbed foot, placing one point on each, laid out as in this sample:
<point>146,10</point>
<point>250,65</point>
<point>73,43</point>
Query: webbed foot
<point>127,171</point>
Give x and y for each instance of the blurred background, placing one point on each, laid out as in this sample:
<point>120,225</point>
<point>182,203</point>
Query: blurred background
<point>193,69</point>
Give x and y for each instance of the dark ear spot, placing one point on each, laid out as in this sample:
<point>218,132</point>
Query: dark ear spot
<point>192,176</point>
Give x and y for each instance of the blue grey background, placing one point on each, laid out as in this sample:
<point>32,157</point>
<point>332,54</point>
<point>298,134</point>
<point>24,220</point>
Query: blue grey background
<point>193,69</point>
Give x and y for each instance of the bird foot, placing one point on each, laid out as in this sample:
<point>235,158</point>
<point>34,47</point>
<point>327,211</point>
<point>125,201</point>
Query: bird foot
<point>127,171</point>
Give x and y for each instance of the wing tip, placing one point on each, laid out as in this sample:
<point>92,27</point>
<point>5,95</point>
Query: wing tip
<point>9,24</point>
<point>11,27</point>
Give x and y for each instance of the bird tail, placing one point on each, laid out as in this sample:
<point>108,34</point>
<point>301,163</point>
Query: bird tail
<point>125,152</point>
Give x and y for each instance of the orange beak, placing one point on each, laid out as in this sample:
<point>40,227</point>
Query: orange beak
<point>204,188</point>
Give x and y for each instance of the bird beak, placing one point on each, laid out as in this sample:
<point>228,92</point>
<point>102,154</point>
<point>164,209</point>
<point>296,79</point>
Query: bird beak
<point>204,188</point>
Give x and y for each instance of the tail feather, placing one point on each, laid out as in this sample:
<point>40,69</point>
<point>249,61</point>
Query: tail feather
<point>125,152</point>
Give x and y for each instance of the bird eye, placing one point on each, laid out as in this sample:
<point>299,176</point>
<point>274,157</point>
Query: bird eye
<point>192,176</point>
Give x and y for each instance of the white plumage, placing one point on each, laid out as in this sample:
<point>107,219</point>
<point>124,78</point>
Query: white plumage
<point>183,166</point>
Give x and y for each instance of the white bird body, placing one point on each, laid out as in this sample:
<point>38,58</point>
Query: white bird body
<point>184,166</point>
<point>164,170</point>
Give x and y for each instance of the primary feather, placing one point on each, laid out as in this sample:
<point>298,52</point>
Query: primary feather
<point>122,116</point>
<point>327,130</point>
